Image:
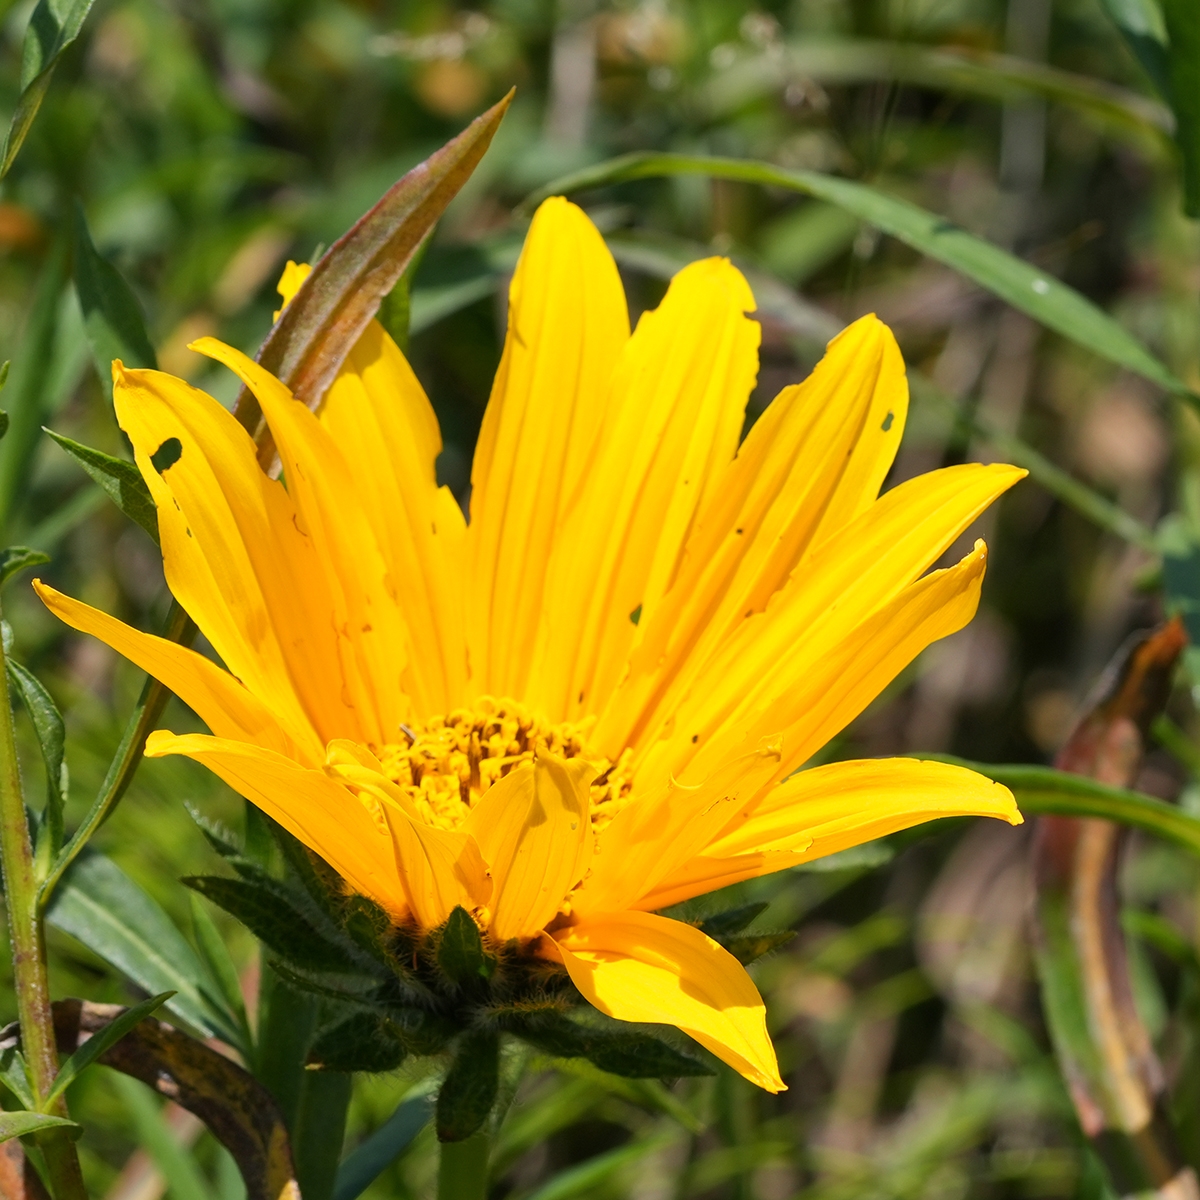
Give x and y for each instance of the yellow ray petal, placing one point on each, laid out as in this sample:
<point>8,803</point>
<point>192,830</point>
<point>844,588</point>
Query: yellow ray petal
<point>231,551</point>
<point>567,323</point>
<point>639,967</point>
<point>651,837</point>
<point>822,687</point>
<point>294,274</point>
<point>831,808</point>
<point>535,833</point>
<point>381,420</point>
<point>439,868</point>
<point>673,418</point>
<point>219,700</point>
<point>856,572</point>
<point>310,805</point>
<point>372,640</point>
<point>815,445</point>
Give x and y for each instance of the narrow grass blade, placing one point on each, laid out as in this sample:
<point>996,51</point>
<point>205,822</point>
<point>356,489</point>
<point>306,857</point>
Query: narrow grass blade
<point>1019,283</point>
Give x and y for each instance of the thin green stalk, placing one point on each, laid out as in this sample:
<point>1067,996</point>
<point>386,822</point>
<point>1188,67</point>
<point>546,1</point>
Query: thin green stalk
<point>463,1169</point>
<point>181,629</point>
<point>27,937</point>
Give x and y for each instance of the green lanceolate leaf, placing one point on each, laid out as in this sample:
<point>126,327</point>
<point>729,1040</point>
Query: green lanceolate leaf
<point>631,1055</point>
<point>590,1176</point>
<point>310,341</point>
<point>362,1042</point>
<point>461,954</point>
<point>1045,791</point>
<point>266,909</point>
<point>111,313</point>
<point>1183,78</point>
<point>51,734</point>
<point>14,1074</point>
<point>18,1124</point>
<point>395,309</point>
<point>1020,284</point>
<point>121,480</point>
<point>363,1165</point>
<point>98,1043</point>
<point>103,908</point>
<point>17,558</point>
<point>469,1089</point>
<point>54,25</point>
<point>732,921</point>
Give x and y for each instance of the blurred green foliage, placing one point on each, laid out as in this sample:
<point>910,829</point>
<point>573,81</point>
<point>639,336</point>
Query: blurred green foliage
<point>208,141</point>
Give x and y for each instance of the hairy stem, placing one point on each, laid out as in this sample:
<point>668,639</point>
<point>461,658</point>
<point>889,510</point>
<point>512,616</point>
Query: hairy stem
<point>27,937</point>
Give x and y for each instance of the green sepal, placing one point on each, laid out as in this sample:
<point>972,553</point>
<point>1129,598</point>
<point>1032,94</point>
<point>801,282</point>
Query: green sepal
<point>747,947</point>
<point>423,1032</point>
<point>460,954</point>
<point>375,934</point>
<point>271,914</point>
<point>364,1041</point>
<point>322,884</point>
<point>120,480</point>
<point>631,1055</point>
<point>733,920</point>
<point>469,1089</point>
<point>17,558</point>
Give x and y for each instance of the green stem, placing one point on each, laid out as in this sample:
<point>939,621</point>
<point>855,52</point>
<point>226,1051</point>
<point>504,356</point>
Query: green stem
<point>27,937</point>
<point>153,699</point>
<point>463,1169</point>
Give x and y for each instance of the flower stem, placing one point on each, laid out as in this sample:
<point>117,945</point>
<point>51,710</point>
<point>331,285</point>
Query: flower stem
<point>27,937</point>
<point>462,1172</point>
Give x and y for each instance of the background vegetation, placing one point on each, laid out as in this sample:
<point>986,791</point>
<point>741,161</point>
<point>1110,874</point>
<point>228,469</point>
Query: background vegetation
<point>210,140</point>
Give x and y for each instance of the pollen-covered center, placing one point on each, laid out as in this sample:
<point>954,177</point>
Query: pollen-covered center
<point>447,762</point>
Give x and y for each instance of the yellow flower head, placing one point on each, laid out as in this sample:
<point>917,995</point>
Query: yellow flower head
<point>589,702</point>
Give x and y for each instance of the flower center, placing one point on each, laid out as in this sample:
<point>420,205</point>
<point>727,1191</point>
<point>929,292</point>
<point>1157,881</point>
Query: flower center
<point>448,762</point>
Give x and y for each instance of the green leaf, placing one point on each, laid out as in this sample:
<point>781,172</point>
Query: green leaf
<point>747,947</point>
<point>367,1161</point>
<point>111,314</point>
<point>98,1043</point>
<point>17,558</point>
<point>14,1074</point>
<point>271,914</point>
<point>103,908</point>
<point>214,954</point>
<point>732,921</point>
<point>460,953</point>
<point>18,1124</point>
<point>121,480</point>
<point>51,735</point>
<point>469,1089</point>
<point>630,1055</point>
<point>1022,285</point>
<point>54,25</point>
<point>308,344</point>
<point>1183,76</point>
<point>362,1042</point>
<point>1045,791</point>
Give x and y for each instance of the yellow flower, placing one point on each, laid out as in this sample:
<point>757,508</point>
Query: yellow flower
<point>590,702</point>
